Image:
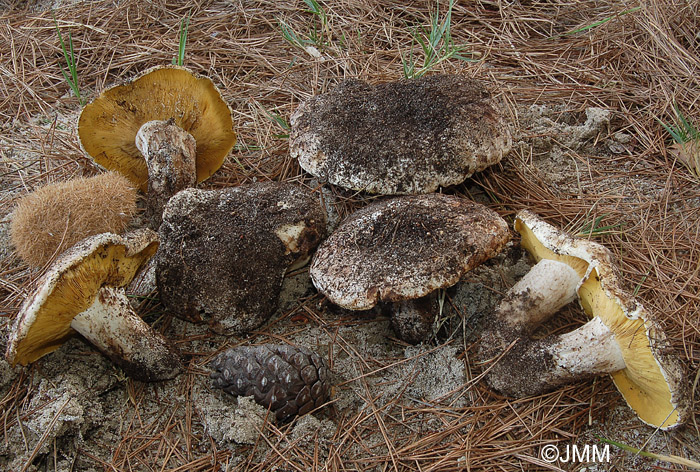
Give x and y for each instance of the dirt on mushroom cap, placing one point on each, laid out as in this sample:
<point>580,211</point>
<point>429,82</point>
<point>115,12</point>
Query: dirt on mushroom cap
<point>407,137</point>
<point>404,248</point>
<point>224,252</point>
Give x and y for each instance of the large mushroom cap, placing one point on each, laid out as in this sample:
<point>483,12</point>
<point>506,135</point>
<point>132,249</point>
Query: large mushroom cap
<point>224,252</point>
<point>107,127</point>
<point>407,137</point>
<point>70,287</point>
<point>404,248</point>
<point>652,382</point>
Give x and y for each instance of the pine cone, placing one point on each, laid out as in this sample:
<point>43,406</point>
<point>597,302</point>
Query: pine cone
<point>286,379</point>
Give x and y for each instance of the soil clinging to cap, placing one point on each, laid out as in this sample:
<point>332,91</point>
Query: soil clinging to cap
<point>224,252</point>
<point>406,137</point>
<point>404,248</point>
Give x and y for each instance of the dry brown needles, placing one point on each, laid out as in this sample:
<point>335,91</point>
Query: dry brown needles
<point>549,62</point>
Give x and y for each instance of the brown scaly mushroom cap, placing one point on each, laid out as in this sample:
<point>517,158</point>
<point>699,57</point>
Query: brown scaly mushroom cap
<point>621,339</point>
<point>407,137</point>
<point>224,252</point>
<point>166,123</point>
<point>83,292</point>
<point>404,248</point>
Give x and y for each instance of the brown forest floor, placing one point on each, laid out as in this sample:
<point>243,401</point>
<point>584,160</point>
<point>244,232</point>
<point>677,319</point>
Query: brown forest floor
<point>558,54</point>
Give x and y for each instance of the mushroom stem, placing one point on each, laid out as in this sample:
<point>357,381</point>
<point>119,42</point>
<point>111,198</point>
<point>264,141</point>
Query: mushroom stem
<point>532,367</point>
<point>170,155</point>
<point>413,320</point>
<point>112,326</point>
<point>544,290</point>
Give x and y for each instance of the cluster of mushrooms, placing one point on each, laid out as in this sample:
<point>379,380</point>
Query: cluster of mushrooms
<point>220,256</point>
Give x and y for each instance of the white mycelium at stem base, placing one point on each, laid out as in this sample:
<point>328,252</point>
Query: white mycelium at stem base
<point>170,155</point>
<point>111,325</point>
<point>531,367</point>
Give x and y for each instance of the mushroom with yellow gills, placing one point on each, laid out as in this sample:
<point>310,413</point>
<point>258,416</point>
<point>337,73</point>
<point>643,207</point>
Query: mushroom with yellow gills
<point>83,292</point>
<point>621,339</point>
<point>165,130</point>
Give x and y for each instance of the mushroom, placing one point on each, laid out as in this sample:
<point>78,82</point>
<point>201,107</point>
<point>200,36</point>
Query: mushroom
<point>407,137</point>
<point>82,292</point>
<point>401,250</point>
<point>621,339</point>
<point>224,253</point>
<point>165,130</point>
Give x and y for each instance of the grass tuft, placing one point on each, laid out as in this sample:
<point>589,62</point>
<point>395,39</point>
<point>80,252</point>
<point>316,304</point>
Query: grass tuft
<point>319,34</point>
<point>182,40</point>
<point>593,228</point>
<point>436,44</point>
<point>71,63</point>
<point>687,141</point>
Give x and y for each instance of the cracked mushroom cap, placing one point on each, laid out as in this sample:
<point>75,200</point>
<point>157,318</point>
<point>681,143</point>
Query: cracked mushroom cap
<point>404,248</point>
<point>224,252</point>
<point>70,287</point>
<point>407,137</point>
<point>107,127</point>
<point>652,382</point>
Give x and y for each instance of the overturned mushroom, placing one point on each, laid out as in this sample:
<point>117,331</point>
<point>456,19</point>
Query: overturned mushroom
<point>402,249</point>
<point>83,292</point>
<point>289,380</point>
<point>165,130</point>
<point>621,339</point>
<point>407,137</point>
<point>224,252</point>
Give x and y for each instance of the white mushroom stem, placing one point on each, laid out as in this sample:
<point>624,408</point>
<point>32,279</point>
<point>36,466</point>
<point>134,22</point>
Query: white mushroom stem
<point>544,290</point>
<point>531,367</point>
<point>170,154</point>
<point>112,326</point>
<point>590,349</point>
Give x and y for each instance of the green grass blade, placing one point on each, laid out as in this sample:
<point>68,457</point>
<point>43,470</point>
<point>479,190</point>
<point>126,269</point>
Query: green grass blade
<point>672,131</point>
<point>291,36</point>
<point>593,228</point>
<point>689,130</point>
<point>182,40</point>
<point>279,120</point>
<point>662,457</point>
<point>603,21</point>
<point>71,63</point>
